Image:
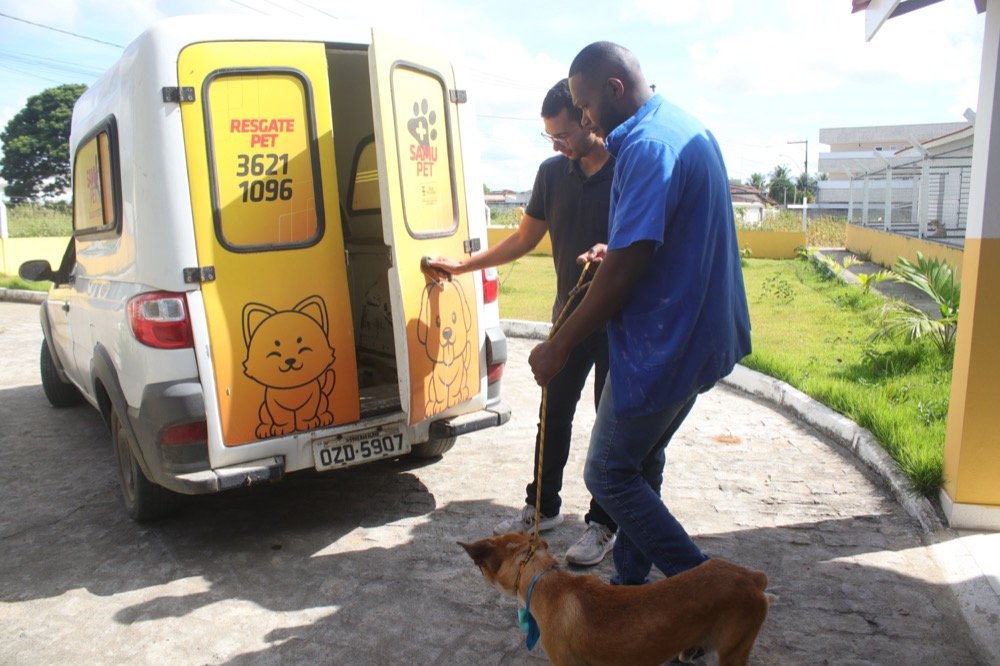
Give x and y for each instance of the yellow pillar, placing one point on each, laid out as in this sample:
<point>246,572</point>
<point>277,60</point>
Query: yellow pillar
<point>971,494</point>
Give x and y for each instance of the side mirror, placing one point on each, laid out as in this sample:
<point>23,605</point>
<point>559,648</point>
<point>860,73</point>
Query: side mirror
<point>36,270</point>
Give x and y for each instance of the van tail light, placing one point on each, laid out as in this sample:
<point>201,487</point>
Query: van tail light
<point>160,319</point>
<point>491,285</point>
<point>184,433</point>
<point>494,372</point>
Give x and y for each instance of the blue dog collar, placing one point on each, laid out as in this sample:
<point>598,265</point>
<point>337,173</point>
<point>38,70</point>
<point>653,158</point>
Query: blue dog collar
<point>525,620</point>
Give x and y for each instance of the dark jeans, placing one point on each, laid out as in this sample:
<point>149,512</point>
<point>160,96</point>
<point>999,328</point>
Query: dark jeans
<point>624,472</point>
<point>563,394</point>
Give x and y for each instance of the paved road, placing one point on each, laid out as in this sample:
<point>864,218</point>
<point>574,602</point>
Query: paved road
<point>361,567</point>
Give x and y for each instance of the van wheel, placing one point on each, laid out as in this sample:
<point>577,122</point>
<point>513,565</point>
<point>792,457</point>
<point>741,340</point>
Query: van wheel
<point>433,448</point>
<point>59,393</point>
<point>144,500</point>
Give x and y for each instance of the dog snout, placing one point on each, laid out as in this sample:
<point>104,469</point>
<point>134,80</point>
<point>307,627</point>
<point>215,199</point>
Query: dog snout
<point>290,362</point>
<point>446,333</point>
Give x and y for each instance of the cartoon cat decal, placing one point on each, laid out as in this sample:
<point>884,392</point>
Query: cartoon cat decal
<point>289,354</point>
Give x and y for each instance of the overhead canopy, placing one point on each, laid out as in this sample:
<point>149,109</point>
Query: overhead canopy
<point>878,11</point>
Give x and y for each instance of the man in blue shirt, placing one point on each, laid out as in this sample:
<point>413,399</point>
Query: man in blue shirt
<point>670,290</point>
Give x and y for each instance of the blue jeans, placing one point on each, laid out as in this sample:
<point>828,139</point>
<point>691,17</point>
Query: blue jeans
<point>564,393</point>
<point>624,473</point>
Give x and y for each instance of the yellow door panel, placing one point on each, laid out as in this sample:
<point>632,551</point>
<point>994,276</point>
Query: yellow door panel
<point>264,198</point>
<point>424,213</point>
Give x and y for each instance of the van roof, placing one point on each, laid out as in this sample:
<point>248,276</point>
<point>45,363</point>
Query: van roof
<point>179,31</point>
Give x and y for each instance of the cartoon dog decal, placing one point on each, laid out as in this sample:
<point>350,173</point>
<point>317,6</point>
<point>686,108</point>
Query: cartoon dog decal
<point>443,329</point>
<point>289,354</point>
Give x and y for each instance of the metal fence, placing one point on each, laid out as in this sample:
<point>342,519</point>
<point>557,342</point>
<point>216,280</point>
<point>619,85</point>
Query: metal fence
<point>924,197</point>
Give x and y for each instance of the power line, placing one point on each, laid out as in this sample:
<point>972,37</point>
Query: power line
<point>243,4</point>
<point>31,74</point>
<point>65,32</point>
<point>48,63</point>
<point>316,9</point>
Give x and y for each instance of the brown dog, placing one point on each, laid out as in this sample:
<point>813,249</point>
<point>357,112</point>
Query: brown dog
<point>717,606</point>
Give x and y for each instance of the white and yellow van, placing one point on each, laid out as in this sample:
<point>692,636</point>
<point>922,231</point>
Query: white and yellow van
<point>242,296</point>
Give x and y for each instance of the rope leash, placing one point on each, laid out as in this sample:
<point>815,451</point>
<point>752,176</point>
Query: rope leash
<point>580,287</point>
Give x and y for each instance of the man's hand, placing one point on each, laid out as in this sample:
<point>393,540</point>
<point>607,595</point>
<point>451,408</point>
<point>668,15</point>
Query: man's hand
<point>441,268</point>
<point>594,255</point>
<point>546,360</point>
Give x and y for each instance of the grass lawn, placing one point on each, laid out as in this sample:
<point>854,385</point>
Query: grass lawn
<point>527,288</point>
<point>812,332</point>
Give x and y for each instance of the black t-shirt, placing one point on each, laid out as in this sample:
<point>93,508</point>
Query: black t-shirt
<point>575,208</point>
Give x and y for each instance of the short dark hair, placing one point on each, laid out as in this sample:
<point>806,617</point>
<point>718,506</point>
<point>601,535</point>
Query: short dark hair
<point>559,98</point>
<point>605,59</point>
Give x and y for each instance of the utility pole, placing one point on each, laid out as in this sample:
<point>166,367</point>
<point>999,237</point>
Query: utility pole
<point>805,165</point>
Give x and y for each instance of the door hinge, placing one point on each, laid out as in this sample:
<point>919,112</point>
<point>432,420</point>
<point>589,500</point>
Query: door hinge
<point>471,245</point>
<point>457,96</point>
<point>199,274</point>
<point>177,94</point>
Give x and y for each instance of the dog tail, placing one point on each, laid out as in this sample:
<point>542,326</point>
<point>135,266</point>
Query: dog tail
<point>771,598</point>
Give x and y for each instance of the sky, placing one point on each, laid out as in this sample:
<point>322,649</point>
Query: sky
<point>759,74</point>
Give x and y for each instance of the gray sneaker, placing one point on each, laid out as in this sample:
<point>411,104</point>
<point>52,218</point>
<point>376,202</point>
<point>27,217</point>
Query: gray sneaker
<point>596,542</point>
<point>524,521</point>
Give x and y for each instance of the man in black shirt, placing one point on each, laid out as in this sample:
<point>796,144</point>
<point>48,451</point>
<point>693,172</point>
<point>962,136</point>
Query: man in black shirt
<point>569,201</point>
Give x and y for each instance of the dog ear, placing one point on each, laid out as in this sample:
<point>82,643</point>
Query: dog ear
<point>423,321</point>
<point>478,551</point>
<point>314,307</point>
<point>254,315</point>
<point>466,312</point>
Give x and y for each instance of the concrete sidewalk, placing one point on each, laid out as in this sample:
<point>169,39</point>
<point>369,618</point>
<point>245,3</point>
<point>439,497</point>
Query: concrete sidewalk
<point>759,474</point>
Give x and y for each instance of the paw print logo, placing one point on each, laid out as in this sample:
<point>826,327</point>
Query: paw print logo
<point>421,124</point>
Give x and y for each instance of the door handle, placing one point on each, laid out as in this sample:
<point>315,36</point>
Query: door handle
<point>65,306</point>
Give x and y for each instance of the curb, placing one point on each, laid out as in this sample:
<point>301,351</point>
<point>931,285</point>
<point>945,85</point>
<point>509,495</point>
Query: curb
<point>22,295</point>
<point>845,432</point>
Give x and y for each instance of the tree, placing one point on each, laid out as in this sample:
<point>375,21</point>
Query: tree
<point>36,145</point>
<point>806,184</point>
<point>759,181</point>
<point>781,187</point>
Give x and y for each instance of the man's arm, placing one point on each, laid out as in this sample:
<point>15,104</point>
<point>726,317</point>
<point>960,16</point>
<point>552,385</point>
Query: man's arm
<point>529,233</point>
<point>611,286</point>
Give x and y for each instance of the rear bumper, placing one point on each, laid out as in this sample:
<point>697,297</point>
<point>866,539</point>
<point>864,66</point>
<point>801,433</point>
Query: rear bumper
<point>492,416</point>
<point>245,474</point>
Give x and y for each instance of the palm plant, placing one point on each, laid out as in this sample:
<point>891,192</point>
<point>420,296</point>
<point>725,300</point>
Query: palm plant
<point>935,278</point>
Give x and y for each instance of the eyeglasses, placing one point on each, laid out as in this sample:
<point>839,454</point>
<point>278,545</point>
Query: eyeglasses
<point>561,138</point>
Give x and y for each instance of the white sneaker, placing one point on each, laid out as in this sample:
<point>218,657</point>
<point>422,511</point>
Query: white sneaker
<point>525,522</point>
<point>596,542</point>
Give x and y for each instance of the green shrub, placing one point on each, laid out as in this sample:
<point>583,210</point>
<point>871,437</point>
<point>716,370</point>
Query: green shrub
<point>32,220</point>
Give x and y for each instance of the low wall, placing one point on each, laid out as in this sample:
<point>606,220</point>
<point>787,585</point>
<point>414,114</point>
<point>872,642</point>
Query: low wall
<point>771,244</point>
<point>884,248</point>
<point>496,234</point>
<point>16,251</point>
<point>762,244</point>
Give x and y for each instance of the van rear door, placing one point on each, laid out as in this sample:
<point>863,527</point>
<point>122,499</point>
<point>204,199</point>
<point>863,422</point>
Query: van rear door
<point>259,144</point>
<point>418,145</point>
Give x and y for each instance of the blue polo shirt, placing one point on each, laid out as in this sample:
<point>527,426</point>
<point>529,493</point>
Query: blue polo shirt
<point>686,323</point>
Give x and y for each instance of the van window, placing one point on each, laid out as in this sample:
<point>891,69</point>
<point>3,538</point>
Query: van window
<point>265,176</point>
<point>95,184</point>
<point>423,136</point>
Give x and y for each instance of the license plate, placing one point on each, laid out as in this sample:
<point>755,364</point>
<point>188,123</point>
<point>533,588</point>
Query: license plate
<point>360,447</point>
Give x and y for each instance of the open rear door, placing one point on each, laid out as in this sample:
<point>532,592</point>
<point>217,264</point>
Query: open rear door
<point>418,146</point>
<point>259,146</point>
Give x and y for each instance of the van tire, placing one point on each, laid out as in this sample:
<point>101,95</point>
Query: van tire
<point>433,448</point>
<point>59,393</point>
<point>144,500</point>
